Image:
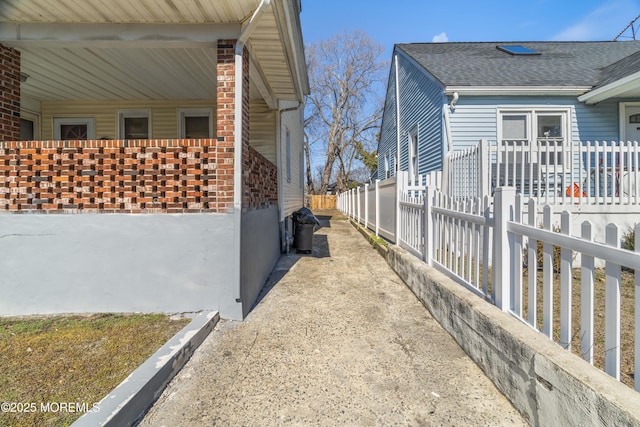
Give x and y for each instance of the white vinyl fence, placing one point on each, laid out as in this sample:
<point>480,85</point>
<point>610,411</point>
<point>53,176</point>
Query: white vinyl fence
<point>458,236</point>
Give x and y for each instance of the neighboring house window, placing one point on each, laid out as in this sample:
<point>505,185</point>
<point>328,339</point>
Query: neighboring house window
<point>387,169</point>
<point>134,124</point>
<point>413,153</point>
<point>545,130</point>
<point>73,128</point>
<point>195,123</point>
<point>288,156</point>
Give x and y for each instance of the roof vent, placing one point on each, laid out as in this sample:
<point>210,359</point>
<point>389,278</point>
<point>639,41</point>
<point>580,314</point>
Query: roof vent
<point>517,50</point>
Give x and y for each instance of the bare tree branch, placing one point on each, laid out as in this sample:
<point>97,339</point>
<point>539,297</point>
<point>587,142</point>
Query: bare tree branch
<point>344,109</point>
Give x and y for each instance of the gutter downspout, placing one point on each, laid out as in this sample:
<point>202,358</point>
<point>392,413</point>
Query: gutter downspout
<point>448,150</point>
<point>237,157</point>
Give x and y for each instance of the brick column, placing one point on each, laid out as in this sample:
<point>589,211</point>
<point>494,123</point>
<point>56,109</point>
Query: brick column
<point>225,115</point>
<point>9,94</point>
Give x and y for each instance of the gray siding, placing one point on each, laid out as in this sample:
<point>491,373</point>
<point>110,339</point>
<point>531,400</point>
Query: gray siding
<point>387,144</point>
<point>421,102</point>
<point>476,118</point>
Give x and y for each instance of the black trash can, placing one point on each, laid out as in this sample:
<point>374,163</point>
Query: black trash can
<point>304,223</point>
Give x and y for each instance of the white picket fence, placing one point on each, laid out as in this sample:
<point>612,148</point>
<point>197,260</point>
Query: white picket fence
<point>461,237</point>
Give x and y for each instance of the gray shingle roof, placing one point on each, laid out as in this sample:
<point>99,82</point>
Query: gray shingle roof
<point>559,63</point>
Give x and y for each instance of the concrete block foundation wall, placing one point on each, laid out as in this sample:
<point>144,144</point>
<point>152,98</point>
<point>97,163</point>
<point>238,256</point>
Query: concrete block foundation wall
<point>116,176</point>
<point>547,384</point>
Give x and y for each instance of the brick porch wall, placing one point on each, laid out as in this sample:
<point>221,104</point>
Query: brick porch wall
<point>260,181</point>
<point>115,176</point>
<point>9,94</point>
<point>259,176</point>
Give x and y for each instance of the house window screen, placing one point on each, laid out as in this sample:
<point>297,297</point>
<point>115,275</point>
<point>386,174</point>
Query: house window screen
<point>514,128</point>
<point>134,124</point>
<point>73,128</point>
<point>136,128</point>
<point>196,127</point>
<point>27,130</point>
<point>195,123</point>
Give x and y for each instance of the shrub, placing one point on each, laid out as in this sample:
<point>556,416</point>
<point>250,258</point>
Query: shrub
<point>629,239</point>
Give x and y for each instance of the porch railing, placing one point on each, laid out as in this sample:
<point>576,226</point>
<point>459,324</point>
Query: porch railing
<point>591,173</point>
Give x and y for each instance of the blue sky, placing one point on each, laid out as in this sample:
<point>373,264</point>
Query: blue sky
<point>406,21</point>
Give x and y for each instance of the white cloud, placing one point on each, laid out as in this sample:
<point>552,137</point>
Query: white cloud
<point>603,23</point>
<point>440,38</point>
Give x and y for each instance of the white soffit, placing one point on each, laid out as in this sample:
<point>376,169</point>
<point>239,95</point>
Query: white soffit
<point>142,49</point>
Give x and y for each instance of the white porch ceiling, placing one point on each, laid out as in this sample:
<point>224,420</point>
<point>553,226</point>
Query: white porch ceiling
<point>142,49</point>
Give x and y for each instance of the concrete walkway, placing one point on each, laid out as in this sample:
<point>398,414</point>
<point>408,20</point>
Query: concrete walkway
<point>337,339</point>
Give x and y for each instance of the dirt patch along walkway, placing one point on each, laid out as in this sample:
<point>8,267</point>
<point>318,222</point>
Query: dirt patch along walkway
<point>336,339</point>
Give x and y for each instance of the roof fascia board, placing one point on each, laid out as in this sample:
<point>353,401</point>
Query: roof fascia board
<point>612,89</point>
<point>517,90</point>
<point>293,14</point>
<point>286,21</point>
<point>112,35</point>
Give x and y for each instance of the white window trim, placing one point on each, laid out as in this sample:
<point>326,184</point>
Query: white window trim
<point>33,117</point>
<point>122,114</point>
<point>531,112</point>
<point>193,112</point>
<point>59,121</point>
<point>414,151</point>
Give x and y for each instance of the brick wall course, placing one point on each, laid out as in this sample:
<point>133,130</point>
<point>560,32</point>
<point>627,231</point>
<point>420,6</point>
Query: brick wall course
<point>9,93</point>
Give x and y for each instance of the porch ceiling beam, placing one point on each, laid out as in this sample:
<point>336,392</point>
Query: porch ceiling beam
<point>114,35</point>
<point>617,88</point>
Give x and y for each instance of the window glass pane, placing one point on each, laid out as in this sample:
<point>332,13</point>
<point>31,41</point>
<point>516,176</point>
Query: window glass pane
<point>136,128</point>
<point>514,127</point>
<point>550,126</point>
<point>73,131</point>
<point>196,127</point>
<point>26,130</point>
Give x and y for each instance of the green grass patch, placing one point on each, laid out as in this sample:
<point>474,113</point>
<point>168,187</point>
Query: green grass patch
<point>71,359</point>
